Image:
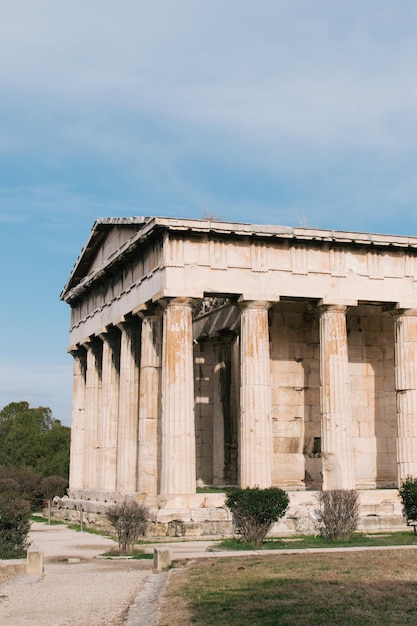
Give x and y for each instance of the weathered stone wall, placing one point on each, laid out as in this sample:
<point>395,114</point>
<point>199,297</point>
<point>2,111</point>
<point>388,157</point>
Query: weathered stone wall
<point>296,392</point>
<point>216,410</point>
<point>371,366</point>
<point>295,395</point>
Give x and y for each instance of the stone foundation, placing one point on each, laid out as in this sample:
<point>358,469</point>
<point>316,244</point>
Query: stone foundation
<point>205,515</point>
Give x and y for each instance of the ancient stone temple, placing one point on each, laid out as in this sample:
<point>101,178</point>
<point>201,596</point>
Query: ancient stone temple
<point>211,354</point>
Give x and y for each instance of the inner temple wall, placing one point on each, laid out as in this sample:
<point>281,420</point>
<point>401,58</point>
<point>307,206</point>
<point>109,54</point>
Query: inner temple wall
<point>204,402</point>
<point>295,371</point>
<point>373,398</point>
<point>295,365</point>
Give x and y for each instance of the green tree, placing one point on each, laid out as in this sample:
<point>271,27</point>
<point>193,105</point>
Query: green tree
<point>33,438</point>
<point>27,480</point>
<point>14,521</point>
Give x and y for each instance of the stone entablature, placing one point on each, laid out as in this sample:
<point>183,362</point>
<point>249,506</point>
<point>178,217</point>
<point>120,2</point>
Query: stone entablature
<point>181,258</point>
<point>208,353</point>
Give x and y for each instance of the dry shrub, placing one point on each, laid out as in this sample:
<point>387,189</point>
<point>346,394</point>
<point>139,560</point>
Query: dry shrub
<point>130,521</point>
<point>52,486</point>
<point>338,513</point>
<point>8,484</point>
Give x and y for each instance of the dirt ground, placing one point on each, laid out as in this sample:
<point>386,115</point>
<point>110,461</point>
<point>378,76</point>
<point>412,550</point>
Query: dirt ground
<point>4,577</point>
<point>173,606</point>
<point>85,591</point>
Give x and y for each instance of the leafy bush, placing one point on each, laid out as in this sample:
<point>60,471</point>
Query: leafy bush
<point>14,522</point>
<point>27,479</point>
<point>408,495</point>
<point>255,510</point>
<point>8,484</point>
<point>130,521</point>
<point>338,513</point>
<point>31,486</point>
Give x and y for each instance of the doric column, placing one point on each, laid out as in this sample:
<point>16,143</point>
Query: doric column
<point>178,464</point>
<point>406,390</point>
<point>107,426</point>
<point>255,432</point>
<point>149,403</point>
<point>127,437</point>
<point>78,417</point>
<point>92,410</point>
<point>337,448</point>
<point>222,415</point>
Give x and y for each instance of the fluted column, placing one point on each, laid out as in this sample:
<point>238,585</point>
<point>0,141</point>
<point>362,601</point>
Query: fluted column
<point>222,418</point>
<point>178,464</point>
<point>78,417</point>
<point>255,432</point>
<point>406,390</point>
<point>127,437</point>
<point>92,406</point>
<point>107,426</point>
<point>337,448</point>
<point>149,403</point>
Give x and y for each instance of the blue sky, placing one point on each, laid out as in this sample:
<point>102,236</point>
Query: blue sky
<point>273,112</point>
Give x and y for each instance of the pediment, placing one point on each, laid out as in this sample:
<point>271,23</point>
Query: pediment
<point>108,238</point>
<point>112,242</point>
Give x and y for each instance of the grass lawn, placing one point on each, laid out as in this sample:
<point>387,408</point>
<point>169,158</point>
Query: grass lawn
<point>405,538</point>
<point>357,588</point>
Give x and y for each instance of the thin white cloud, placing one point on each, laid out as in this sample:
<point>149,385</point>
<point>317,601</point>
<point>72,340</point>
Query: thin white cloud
<point>272,71</point>
<point>147,89</point>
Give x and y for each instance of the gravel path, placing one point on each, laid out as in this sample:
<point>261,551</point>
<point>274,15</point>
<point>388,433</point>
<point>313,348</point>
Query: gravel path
<point>90,592</point>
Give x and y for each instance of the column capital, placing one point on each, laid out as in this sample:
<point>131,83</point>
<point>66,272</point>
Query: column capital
<point>404,312</point>
<point>77,351</point>
<point>109,333</point>
<point>263,305</point>
<point>146,311</point>
<point>332,308</point>
<point>91,343</point>
<point>128,323</point>
<point>177,302</point>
